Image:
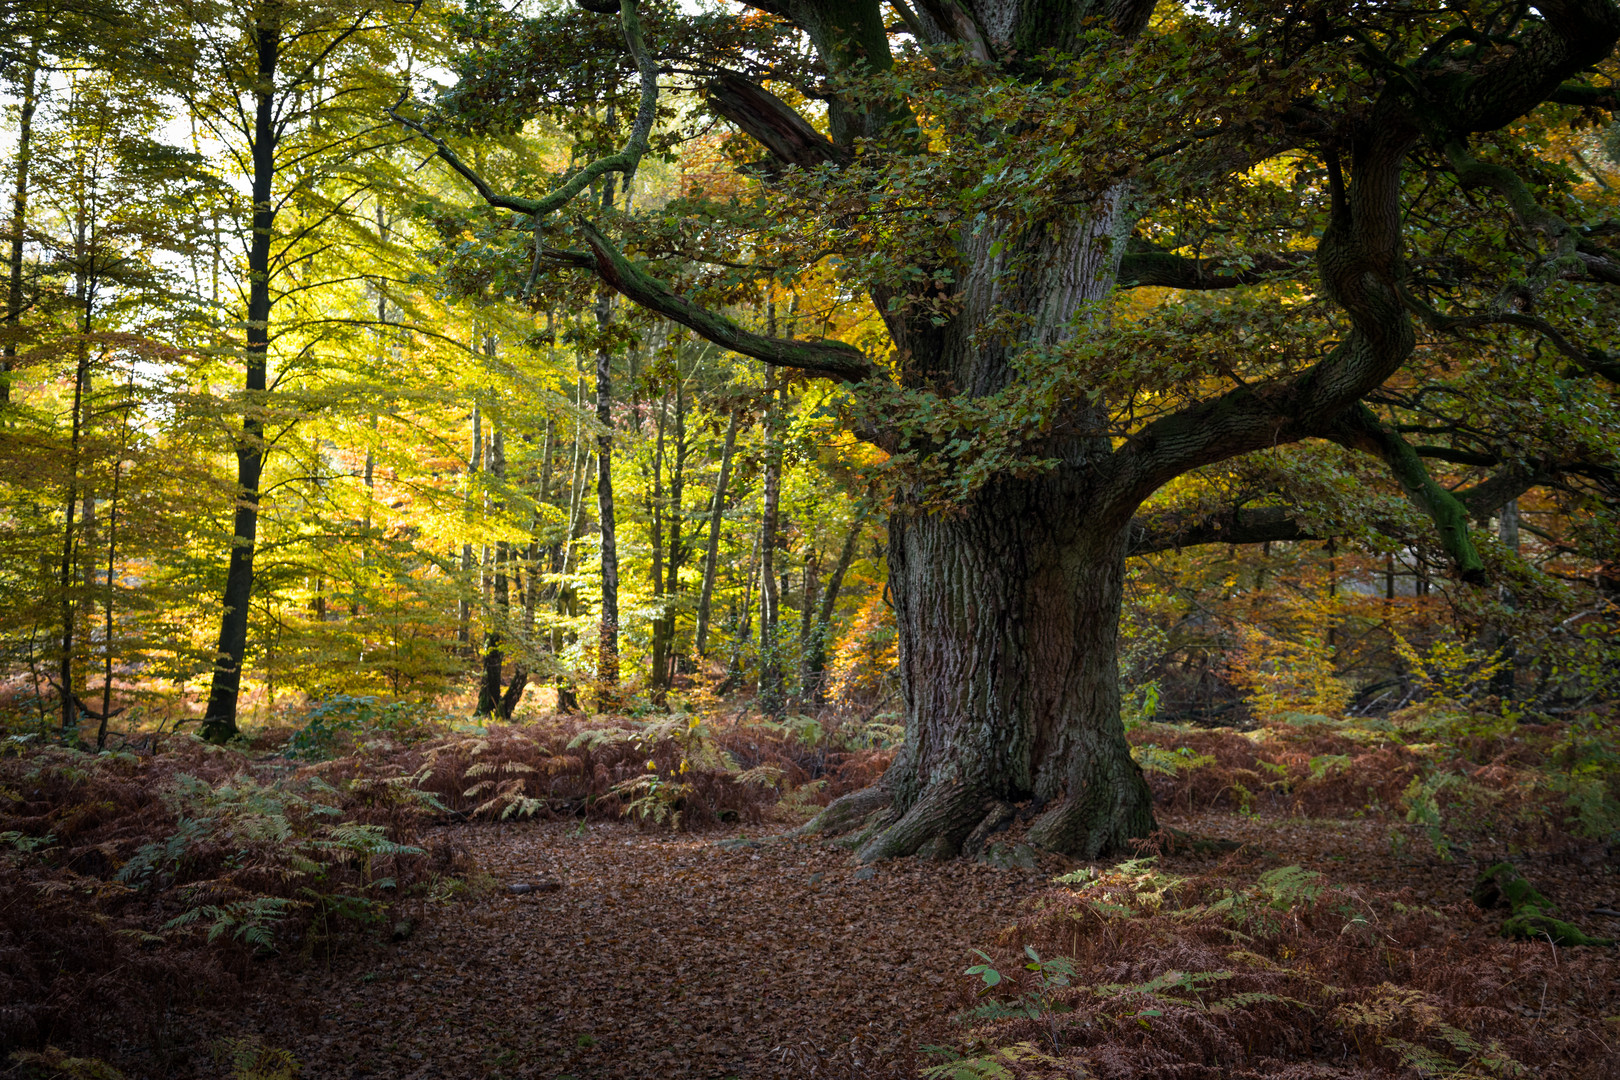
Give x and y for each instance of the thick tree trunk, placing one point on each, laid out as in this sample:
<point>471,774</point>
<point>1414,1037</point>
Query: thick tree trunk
<point>219,719</point>
<point>1008,606</point>
<point>1008,615</point>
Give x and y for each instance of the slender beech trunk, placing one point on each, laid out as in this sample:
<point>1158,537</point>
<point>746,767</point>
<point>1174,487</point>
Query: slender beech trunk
<point>219,719</point>
<point>745,622</point>
<point>815,663</point>
<point>563,558</point>
<point>711,557</point>
<point>533,589</point>
<point>677,537</point>
<point>607,652</point>
<point>368,477</point>
<point>475,461</point>
<point>490,693</point>
<point>371,444</point>
<point>112,568</point>
<point>28,100</point>
<point>655,515</point>
<point>810,591</point>
<point>1502,682</point>
<point>770,661</point>
<point>70,529</point>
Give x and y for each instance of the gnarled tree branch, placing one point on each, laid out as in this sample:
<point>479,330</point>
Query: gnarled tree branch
<point>1138,268</point>
<point>625,161</point>
<point>1360,429</point>
<point>771,122</point>
<point>830,359</point>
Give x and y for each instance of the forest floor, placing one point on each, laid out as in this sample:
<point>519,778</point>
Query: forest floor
<point>645,954</point>
<point>386,910</point>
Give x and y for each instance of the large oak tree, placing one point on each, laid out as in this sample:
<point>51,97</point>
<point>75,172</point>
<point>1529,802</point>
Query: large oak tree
<point>1358,181</point>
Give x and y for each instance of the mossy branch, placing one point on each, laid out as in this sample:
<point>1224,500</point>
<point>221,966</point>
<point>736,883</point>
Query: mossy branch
<point>1362,430</point>
<point>626,161</point>
<point>830,359</point>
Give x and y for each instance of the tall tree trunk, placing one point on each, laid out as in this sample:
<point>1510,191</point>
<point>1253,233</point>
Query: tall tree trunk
<point>112,567</point>
<point>815,663</point>
<point>655,515</point>
<point>532,586</point>
<point>77,534</point>
<point>368,478</point>
<point>1502,682</point>
<point>563,559</point>
<point>494,658</point>
<point>745,622</point>
<point>771,701</point>
<point>711,556</point>
<point>1007,609</point>
<point>219,719</point>
<point>475,461</point>
<point>809,594</point>
<point>677,538</point>
<point>607,651</point>
<point>28,100</point>
<point>66,580</point>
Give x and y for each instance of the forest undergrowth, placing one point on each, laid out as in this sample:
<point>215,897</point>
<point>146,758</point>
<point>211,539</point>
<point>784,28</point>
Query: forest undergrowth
<point>373,889</point>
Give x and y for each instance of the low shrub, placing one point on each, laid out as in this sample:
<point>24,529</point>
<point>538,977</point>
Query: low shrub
<point>1285,976</point>
<point>157,877</point>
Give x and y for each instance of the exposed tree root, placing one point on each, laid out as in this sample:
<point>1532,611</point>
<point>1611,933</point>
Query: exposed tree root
<point>999,817</point>
<point>939,821</point>
<point>1099,818</point>
<point>847,812</point>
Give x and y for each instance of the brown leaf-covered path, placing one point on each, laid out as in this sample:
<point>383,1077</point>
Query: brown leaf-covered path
<point>661,956</point>
<point>713,956</point>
